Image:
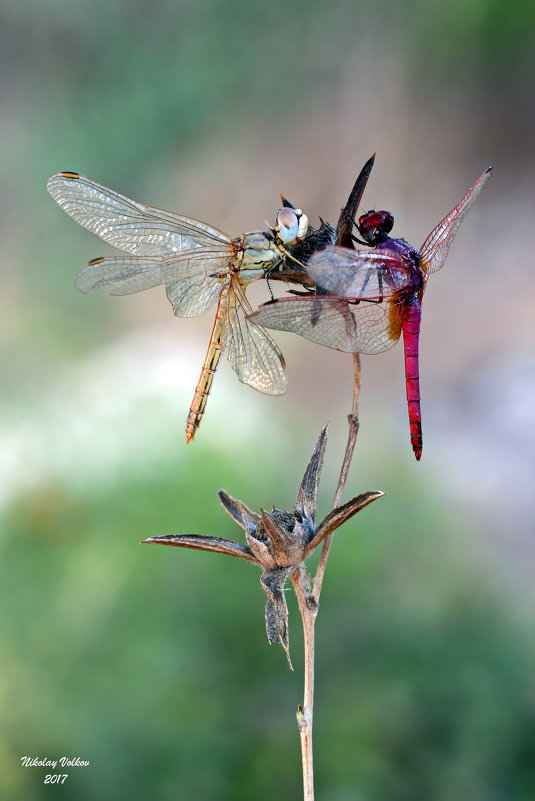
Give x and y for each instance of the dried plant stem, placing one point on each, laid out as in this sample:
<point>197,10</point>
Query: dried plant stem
<point>309,601</point>
<point>353,420</point>
<point>305,711</point>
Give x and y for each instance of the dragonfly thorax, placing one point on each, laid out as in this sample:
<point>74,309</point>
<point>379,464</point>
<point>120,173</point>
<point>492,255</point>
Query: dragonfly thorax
<point>258,255</point>
<point>374,226</point>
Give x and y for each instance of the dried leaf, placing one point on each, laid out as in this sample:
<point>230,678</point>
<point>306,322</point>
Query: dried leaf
<point>260,549</point>
<point>201,543</point>
<point>236,509</point>
<point>284,547</point>
<point>252,523</point>
<point>276,609</point>
<point>350,210</point>
<point>277,541</point>
<point>307,495</point>
<point>340,515</point>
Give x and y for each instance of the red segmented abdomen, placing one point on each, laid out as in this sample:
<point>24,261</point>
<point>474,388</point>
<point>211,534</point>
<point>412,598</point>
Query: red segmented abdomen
<point>204,384</point>
<point>411,331</point>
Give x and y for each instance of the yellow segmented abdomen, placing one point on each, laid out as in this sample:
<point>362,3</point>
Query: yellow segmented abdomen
<point>204,384</point>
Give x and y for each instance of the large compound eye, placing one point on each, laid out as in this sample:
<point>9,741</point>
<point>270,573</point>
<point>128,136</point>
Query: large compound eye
<point>367,224</point>
<point>375,225</point>
<point>288,225</point>
<point>303,224</point>
<point>388,222</point>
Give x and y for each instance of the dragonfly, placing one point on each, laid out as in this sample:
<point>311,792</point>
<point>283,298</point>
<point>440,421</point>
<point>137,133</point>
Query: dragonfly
<point>199,266</point>
<point>365,299</point>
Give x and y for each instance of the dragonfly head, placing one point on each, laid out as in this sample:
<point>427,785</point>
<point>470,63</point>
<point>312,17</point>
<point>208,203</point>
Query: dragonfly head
<point>374,226</point>
<point>292,224</point>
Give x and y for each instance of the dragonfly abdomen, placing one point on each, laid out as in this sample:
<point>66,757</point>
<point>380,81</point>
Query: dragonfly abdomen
<point>411,333</point>
<point>206,378</point>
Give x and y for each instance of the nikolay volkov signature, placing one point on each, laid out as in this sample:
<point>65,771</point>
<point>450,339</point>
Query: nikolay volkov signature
<point>65,762</point>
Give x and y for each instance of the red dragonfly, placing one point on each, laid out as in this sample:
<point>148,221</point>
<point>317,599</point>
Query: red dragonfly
<point>375,294</point>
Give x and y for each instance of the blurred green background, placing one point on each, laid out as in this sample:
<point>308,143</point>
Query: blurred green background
<point>153,663</point>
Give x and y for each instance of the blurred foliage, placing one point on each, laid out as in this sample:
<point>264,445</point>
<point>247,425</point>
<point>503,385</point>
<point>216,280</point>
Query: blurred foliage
<point>124,91</point>
<point>133,82</point>
<point>153,663</point>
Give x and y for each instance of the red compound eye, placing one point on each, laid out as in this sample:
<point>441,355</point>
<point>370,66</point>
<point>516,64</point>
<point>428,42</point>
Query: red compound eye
<point>374,224</point>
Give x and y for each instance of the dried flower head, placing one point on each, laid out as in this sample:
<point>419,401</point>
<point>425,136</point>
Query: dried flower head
<point>277,541</point>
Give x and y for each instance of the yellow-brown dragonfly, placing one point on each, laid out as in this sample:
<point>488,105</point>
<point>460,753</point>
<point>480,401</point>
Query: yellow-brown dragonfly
<point>199,266</point>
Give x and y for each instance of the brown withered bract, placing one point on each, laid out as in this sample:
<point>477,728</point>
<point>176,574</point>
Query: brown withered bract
<point>277,541</point>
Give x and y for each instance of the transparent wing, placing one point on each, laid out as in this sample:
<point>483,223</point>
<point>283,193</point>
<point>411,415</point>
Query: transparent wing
<point>252,353</point>
<point>125,275</point>
<point>364,275</point>
<point>193,286</point>
<point>436,247</point>
<point>335,322</point>
<point>126,224</point>
<point>193,281</point>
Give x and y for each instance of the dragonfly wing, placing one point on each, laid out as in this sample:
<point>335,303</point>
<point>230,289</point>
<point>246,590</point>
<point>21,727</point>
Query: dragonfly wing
<point>252,353</point>
<point>125,275</point>
<point>334,322</point>
<point>364,275</point>
<point>126,224</point>
<point>436,247</point>
<point>193,281</point>
<point>193,290</point>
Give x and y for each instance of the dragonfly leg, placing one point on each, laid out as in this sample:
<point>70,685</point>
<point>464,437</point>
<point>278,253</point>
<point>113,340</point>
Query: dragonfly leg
<point>380,282</point>
<point>288,255</point>
<point>274,268</point>
<point>269,287</point>
<point>363,290</point>
<point>277,266</point>
<point>365,283</point>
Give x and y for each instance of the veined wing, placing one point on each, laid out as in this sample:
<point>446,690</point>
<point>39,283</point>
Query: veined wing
<point>193,286</point>
<point>335,322</point>
<point>436,247</point>
<point>193,280</point>
<point>124,275</point>
<point>126,224</point>
<point>359,274</point>
<point>252,353</point>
